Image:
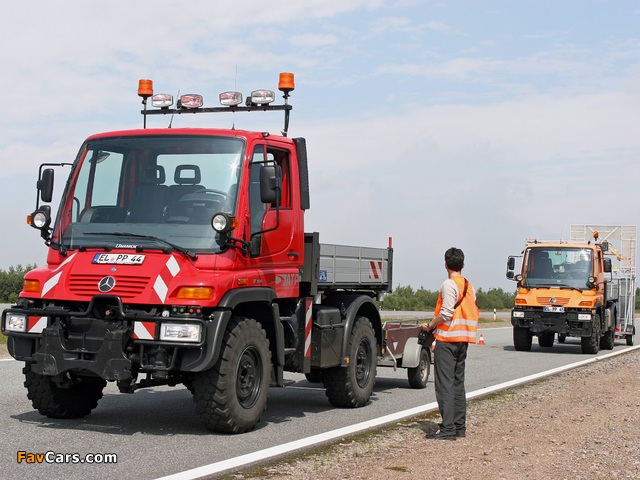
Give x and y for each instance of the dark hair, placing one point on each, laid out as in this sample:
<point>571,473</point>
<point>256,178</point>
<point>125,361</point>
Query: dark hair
<point>454,259</point>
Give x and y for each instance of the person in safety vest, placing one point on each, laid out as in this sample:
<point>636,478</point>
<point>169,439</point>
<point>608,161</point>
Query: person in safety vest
<point>454,327</point>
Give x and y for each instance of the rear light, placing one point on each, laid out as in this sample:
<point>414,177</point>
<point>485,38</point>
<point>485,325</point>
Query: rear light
<point>190,101</point>
<point>230,98</point>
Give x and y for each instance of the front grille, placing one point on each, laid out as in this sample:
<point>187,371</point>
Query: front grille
<point>547,300</point>
<point>126,286</point>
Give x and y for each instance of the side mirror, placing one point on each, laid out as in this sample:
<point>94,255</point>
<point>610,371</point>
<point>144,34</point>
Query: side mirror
<point>45,185</point>
<point>270,184</point>
<point>511,264</point>
<point>607,265</point>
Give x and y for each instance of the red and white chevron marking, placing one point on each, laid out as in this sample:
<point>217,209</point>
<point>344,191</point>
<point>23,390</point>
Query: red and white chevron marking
<point>170,270</point>
<point>36,324</point>
<point>144,330</point>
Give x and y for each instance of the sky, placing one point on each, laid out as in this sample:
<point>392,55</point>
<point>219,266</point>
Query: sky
<point>474,124</point>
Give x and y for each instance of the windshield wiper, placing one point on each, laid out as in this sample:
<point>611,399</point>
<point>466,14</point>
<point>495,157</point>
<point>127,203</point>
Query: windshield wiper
<point>177,248</point>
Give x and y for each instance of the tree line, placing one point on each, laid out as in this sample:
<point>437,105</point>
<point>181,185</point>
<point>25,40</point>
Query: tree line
<point>407,299</point>
<point>11,282</point>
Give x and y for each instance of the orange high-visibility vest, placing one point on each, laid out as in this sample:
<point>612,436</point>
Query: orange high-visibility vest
<point>463,325</point>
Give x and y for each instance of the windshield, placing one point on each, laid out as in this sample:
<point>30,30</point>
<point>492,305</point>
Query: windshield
<point>127,190</point>
<point>558,267</point>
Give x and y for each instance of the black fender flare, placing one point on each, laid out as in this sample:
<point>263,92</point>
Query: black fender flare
<point>353,305</point>
<point>231,303</point>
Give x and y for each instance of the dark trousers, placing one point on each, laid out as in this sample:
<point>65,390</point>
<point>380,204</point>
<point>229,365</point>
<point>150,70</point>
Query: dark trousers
<point>449,363</point>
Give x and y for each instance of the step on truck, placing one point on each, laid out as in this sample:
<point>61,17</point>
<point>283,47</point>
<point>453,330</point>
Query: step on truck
<point>178,257</point>
<point>572,289</point>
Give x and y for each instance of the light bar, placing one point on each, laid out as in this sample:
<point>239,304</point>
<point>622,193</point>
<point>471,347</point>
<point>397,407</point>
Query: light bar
<point>162,100</point>
<point>230,99</point>
<point>190,101</point>
<point>261,97</point>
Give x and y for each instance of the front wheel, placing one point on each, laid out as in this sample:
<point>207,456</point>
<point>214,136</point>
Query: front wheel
<point>419,375</point>
<point>522,339</point>
<point>351,386</point>
<point>74,397</point>
<point>591,344</point>
<point>232,395</point>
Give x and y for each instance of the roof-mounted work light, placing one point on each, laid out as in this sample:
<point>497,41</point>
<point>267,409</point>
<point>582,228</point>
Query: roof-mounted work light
<point>162,100</point>
<point>190,101</point>
<point>230,99</point>
<point>261,97</point>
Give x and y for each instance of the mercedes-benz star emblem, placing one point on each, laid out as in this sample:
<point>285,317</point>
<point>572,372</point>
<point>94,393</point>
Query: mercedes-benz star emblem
<point>106,284</point>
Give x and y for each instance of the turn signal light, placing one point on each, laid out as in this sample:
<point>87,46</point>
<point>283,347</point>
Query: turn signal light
<point>31,286</point>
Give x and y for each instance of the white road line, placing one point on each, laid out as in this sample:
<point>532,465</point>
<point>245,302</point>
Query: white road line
<point>288,448</point>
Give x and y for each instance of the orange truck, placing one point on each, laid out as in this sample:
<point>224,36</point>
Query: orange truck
<point>572,289</point>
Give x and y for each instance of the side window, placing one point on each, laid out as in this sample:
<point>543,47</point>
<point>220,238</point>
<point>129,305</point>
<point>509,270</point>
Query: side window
<point>281,158</point>
<point>256,207</point>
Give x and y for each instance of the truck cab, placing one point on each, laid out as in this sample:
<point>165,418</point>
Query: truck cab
<point>564,289</point>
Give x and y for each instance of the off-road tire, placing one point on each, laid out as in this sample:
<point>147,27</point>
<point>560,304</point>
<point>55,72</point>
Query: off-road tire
<point>545,340</point>
<point>54,401</point>
<point>314,376</point>
<point>351,386</point>
<point>607,340</point>
<point>419,375</point>
<point>522,339</point>
<point>231,396</point>
<point>590,345</point>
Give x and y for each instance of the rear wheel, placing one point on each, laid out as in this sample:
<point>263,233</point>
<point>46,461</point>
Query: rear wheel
<point>419,375</point>
<point>232,395</point>
<point>546,339</point>
<point>562,337</point>
<point>522,339</point>
<point>351,386</point>
<point>591,344</point>
<point>607,340</point>
<point>69,397</point>
<point>629,340</point>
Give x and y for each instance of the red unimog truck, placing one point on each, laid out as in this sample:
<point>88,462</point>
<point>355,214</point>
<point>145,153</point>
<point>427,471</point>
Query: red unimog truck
<point>179,256</point>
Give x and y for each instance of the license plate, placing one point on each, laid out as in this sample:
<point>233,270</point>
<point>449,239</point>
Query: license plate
<point>553,309</point>
<point>118,259</point>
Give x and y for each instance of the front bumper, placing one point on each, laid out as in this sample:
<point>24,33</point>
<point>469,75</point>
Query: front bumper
<point>537,321</point>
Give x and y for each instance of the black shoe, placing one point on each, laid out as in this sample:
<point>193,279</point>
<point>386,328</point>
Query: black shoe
<point>441,436</point>
<point>460,434</point>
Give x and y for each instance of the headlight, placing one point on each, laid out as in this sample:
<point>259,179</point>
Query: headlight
<point>180,332</point>
<point>15,322</point>
<point>518,314</point>
<point>222,223</point>
<point>584,316</point>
